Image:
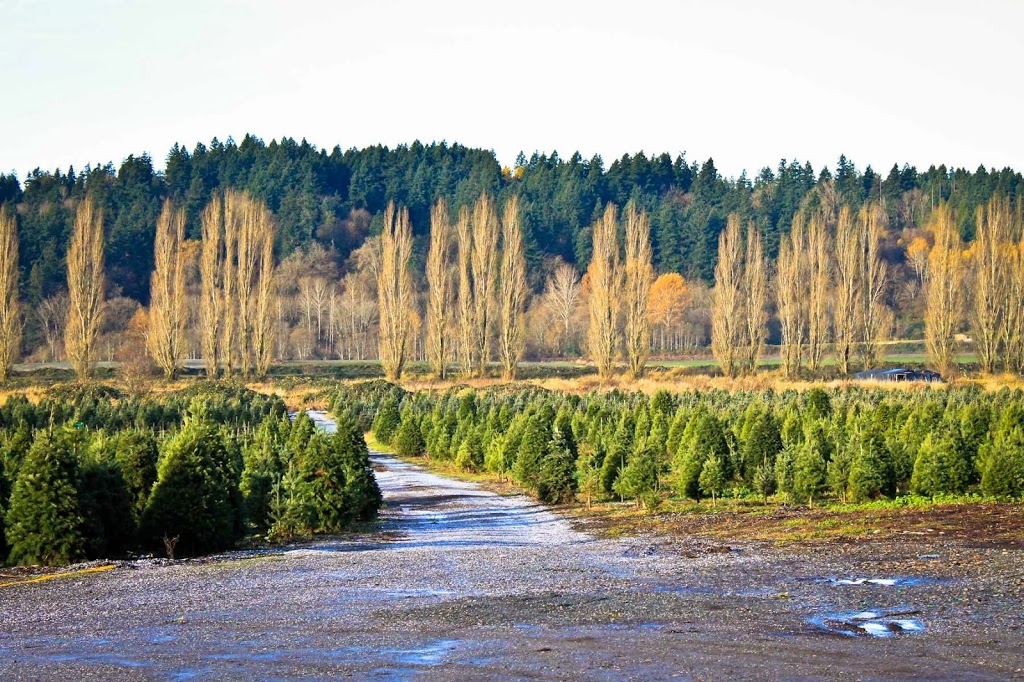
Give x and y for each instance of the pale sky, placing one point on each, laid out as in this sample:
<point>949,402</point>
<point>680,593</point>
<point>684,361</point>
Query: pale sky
<point>745,82</point>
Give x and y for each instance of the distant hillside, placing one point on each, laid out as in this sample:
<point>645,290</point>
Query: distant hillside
<point>335,198</point>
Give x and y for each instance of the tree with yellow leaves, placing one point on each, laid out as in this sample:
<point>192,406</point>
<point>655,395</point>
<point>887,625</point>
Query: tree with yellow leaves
<point>668,300</point>
<point>917,255</point>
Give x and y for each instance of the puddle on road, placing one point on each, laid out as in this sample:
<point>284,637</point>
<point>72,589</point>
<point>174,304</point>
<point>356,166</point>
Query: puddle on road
<point>896,581</point>
<point>430,655</point>
<point>879,624</point>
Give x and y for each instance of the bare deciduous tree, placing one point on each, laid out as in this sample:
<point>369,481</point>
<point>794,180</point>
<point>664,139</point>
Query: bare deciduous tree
<point>790,295</point>
<point>394,290</point>
<point>53,316</point>
<point>211,269</point>
<point>165,334</point>
<point>485,261</point>
<point>10,309</point>
<point>238,283</point>
<point>944,313</point>
<point>605,285</point>
<point>873,314</point>
<point>467,310</point>
<point>727,302</point>
<point>1014,329</point>
<point>639,275</point>
<point>264,304</point>
<point>561,297</point>
<point>817,269</point>
<point>513,290</point>
<point>847,292</point>
<point>229,296</point>
<point>439,295</point>
<point>85,288</point>
<point>989,266</point>
<point>755,297</point>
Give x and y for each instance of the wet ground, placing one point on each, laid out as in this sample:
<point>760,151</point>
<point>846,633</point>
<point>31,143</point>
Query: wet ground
<point>460,583</point>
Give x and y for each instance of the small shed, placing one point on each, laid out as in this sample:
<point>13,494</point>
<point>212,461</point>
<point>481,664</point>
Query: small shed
<point>899,374</point>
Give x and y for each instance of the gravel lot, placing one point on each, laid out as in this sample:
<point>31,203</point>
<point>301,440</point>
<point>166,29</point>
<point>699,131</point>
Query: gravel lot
<point>460,583</point>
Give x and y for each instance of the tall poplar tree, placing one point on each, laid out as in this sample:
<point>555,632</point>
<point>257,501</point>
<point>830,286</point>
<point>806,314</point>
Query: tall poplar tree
<point>945,311</point>
<point>439,295</point>
<point>513,290</point>
<point>10,308</point>
<point>639,275</point>
<point>727,298</point>
<point>394,290</point>
<point>85,288</point>
<point>604,276</point>
<point>167,315</point>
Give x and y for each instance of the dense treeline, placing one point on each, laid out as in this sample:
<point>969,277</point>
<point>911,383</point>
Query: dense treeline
<point>334,200</point>
<point>88,474</point>
<point>842,444</point>
<point>319,196</point>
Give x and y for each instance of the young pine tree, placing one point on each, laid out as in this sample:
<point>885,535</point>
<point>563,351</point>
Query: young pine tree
<point>712,479</point>
<point>44,520</point>
<point>195,498</point>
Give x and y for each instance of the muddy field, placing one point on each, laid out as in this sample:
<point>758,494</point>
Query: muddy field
<point>461,583</point>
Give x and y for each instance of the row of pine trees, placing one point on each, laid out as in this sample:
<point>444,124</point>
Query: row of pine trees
<point>839,445</point>
<point>93,475</point>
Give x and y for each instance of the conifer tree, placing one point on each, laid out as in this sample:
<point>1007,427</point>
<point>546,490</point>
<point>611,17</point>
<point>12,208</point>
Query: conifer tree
<point>712,478</point>
<point>194,498</point>
<point>809,472</point>
<point>44,520</point>
<point>409,440</point>
<point>1002,474</point>
<point>557,480</point>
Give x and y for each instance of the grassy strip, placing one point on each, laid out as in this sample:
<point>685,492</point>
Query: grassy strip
<point>54,576</point>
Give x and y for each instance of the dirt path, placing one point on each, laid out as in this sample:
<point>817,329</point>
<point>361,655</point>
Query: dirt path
<point>460,583</point>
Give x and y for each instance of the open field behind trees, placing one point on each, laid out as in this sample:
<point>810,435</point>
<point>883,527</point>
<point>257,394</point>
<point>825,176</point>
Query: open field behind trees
<point>245,255</point>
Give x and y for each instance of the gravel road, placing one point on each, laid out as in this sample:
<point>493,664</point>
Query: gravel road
<point>461,583</point>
